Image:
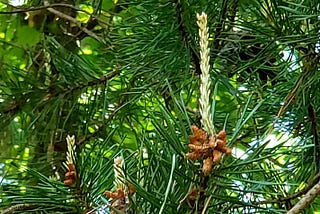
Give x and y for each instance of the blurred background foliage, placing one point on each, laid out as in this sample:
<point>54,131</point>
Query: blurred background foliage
<point>123,77</point>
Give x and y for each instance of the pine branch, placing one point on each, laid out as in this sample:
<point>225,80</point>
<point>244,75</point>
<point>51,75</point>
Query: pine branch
<point>120,104</point>
<point>56,5</point>
<point>24,10</point>
<point>18,207</point>
<point>18,105</point>
<point>14,108</point>
<point>75,21</point>
<point>314,129</point>
<point>306,200</point>
<point>50,7</point>
<point>315,181</point>
<point>310,63</point>
<point>100,128</point>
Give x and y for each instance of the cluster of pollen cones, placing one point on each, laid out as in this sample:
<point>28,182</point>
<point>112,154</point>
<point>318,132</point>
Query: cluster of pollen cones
<point>120,198</point>
<point>207,148</point>
<point>71,175</point>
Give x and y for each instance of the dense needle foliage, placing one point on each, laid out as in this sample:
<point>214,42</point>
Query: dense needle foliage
<point>123,76</point>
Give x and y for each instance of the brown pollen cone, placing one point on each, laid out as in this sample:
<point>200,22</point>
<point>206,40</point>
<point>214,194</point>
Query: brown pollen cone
<point>221,143</point>
<point>71,175</point>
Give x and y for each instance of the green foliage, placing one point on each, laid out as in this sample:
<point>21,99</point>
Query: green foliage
<point>27,36</point>
<point>130,88</point>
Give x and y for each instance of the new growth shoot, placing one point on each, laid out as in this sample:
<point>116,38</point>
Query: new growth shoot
<point>205,84</point>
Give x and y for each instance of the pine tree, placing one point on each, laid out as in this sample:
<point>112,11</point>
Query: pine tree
<point>129,106</point>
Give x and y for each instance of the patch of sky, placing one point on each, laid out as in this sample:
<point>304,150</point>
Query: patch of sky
<point>16,2</point>
<point>289,55</point>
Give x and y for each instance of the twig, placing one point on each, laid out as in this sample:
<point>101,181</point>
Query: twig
<point>314,129</point>
<point>85,138</point>
<point>14,107</point>
<point>39,8</point>
<point>16,207</point>
<point>82,139</point>
<point>75,21</point>
<point>306,200</point>
<point>290,97</point>
<point>311,184</point>
<point>51,6</point>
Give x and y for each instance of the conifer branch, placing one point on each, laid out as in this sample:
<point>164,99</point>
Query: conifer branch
<point>120,103</point>
<point>306,200</point>
<point>55,5</point>
<point>314,130</point>
<point>17,207</point>
<point>15,107</point>
<point>305,190</point>
<point>101,128</point>
<point>29,9</point>
<point>76,22</point>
